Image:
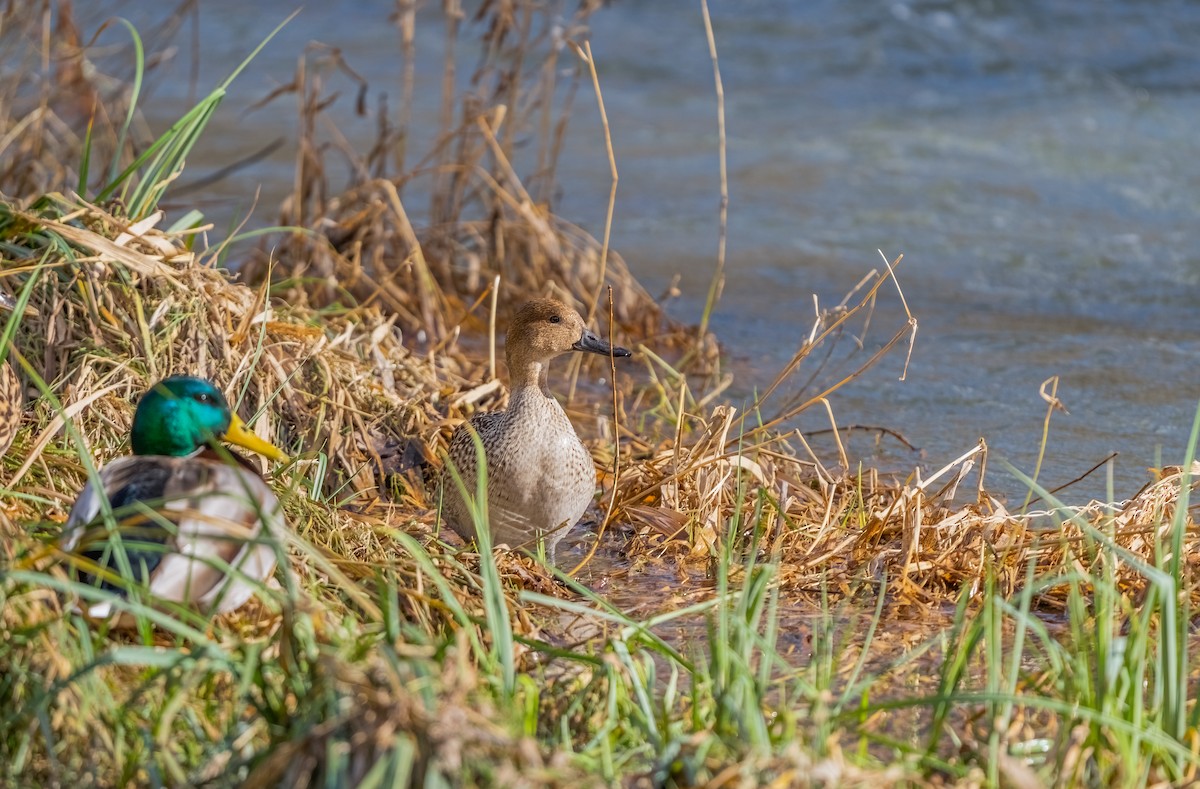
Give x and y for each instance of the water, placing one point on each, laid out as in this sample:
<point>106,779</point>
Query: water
<point>1035,162</point>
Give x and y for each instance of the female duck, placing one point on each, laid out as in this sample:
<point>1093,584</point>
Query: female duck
<point>540,476</point>
<point>189,513</point>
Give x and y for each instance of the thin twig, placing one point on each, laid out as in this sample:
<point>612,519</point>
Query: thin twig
<point>1080,478</point>
<point>887,431</point>
<point>586,54</point>
<point>616,473</point>
<point>718,280</point>
<point>492,328</point>
<point>1052,404</point>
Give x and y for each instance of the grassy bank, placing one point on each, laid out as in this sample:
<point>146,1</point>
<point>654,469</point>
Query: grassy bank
<point>812,622</point>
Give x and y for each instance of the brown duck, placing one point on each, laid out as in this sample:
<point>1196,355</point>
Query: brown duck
<point>540,476</point>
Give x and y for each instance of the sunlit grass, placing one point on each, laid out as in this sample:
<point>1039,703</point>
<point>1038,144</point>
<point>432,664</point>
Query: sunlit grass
<point>806,620</point>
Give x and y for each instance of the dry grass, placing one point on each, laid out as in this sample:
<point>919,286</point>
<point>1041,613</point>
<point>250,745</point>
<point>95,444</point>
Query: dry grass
<point>119,306</point>
<point>482,223</point>
<point>355,347</point>
<point>832,527</point>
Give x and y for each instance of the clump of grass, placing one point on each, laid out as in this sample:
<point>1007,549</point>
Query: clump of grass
<point>485,222</point>
<point>117,307</point>
<point>389,656</point>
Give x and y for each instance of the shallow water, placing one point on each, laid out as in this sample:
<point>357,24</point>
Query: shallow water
<point>1035,162</point>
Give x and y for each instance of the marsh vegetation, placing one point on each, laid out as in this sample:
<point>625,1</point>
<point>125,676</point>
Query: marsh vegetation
<point>746,604</point>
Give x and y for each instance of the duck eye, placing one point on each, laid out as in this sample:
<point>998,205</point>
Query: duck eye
<point>556,319</point>
<point>202,397</point>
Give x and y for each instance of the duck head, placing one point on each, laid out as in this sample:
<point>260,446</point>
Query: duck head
<point>182,414</point>
<point>545,328</point>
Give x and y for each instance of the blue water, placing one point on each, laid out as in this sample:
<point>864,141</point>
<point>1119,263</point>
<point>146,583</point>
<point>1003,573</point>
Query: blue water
<point>1035,162</point>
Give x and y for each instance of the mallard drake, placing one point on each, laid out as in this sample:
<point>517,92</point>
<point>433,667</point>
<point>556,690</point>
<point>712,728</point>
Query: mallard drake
<point>540,476</point>
<point>188,512</point>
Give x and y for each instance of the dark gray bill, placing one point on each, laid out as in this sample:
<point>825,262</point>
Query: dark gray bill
<point>592,344</point>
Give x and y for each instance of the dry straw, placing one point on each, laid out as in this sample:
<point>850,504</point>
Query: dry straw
<point>354,345</point>
<point>345,349</point>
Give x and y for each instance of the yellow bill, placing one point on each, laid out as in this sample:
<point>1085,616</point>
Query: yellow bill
<point>238,434</point>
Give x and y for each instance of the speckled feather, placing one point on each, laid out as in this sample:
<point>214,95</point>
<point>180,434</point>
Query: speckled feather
<point>541,477</point>
<point>12,401</point>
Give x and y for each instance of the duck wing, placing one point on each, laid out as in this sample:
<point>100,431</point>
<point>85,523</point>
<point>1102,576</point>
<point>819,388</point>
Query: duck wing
<point>190,530</point>
<point>460,456</point>
<point>462,444</point>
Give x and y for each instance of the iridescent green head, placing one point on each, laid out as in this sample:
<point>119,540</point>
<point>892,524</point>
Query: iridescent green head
<point>181,414</point>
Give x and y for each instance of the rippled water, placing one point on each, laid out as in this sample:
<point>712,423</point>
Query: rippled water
<point>1036,163</point>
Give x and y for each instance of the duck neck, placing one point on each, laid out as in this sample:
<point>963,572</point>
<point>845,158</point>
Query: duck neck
<point>528,376</point>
